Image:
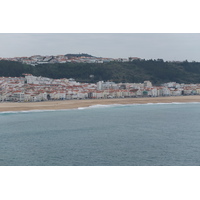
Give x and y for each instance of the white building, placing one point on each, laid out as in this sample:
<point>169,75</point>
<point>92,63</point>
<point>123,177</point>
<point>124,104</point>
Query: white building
<point>100,85</point>
<point>166,91</point>
<point>30,79</point>
<point>147,84</point>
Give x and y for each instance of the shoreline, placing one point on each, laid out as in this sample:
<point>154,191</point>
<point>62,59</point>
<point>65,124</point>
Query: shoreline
<point>75,104</point>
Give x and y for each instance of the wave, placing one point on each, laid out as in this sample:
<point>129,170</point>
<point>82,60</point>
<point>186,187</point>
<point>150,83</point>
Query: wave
<point>185,102</point>
<point>128,105</point>
<point>80,108</point>
<point>171,103</point>
<point>25,111</point>
<point>97,107</point>
<point>100,106</point>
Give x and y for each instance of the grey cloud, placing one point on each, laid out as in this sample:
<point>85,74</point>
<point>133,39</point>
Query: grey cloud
<point>145,45</point>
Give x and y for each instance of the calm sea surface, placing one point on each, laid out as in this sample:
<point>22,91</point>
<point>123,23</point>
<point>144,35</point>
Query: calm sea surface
<point>144,135</point>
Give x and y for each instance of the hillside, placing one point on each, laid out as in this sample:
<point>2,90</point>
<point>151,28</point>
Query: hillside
<point>157,71</point>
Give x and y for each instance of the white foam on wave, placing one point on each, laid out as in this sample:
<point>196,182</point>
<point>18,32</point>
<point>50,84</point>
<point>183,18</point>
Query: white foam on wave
<point>121,105</point>
<point>105,106</point>
<point>185,102</point>
<point>33,111</point>
<point>101,106</point>
<point>25,111</point>
<point>171,103</point>
<point>82,108</point>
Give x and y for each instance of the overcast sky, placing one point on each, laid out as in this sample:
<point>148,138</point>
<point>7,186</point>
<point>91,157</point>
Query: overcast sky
<point>175,46</point>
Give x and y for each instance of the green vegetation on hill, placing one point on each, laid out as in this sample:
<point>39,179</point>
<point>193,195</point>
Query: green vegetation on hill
<point>78,55</point>
<point>137,71</point>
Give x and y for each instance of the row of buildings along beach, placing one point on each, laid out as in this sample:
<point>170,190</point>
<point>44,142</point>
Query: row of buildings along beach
<point>31,88</point>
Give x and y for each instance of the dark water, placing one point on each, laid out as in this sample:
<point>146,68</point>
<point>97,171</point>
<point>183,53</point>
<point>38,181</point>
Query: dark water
<point>144,135</point>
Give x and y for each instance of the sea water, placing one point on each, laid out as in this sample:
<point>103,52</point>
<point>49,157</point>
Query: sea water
<point>115,135</point>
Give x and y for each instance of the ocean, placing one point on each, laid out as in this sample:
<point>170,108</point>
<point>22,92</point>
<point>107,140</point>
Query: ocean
<point>103,135</point>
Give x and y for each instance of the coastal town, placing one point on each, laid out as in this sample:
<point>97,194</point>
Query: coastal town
<point>30,88</point>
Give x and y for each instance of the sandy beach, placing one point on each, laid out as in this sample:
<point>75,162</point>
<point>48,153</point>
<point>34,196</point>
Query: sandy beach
<point>71,104</point>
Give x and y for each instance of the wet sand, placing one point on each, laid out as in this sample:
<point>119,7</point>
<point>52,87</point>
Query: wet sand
<point>71,104</point>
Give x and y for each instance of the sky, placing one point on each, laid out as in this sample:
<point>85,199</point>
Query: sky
<point>167,46</point>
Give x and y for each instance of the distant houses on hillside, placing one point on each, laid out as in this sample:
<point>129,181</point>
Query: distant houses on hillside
<point>68,58</point>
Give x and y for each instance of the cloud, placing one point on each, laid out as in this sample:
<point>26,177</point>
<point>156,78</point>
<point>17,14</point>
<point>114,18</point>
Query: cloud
<point>144,45</point>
